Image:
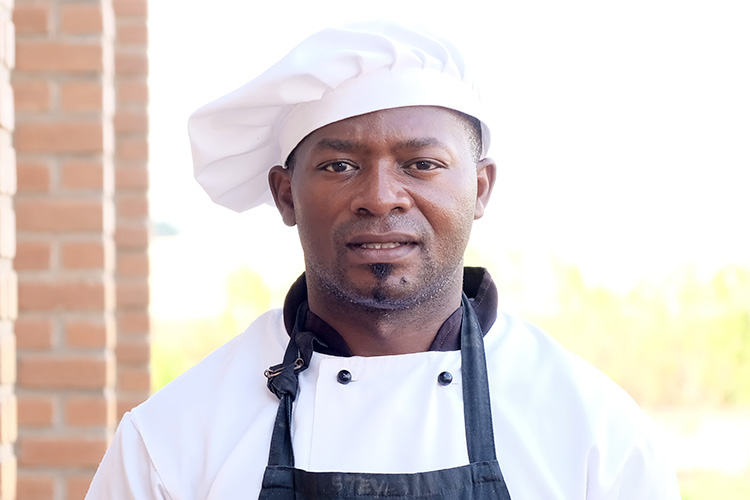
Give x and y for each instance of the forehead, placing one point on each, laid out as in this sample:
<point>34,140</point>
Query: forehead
<point>403,124</point>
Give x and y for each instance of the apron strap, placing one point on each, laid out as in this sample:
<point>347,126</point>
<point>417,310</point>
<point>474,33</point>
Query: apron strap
<point>282,378</point>
<point>281,452</point>
<point>480,439</point>
<point>283,382</point>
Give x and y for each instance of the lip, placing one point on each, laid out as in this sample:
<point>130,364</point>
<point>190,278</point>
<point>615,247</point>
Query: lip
<point>387,254</point>
<point>363,238</point>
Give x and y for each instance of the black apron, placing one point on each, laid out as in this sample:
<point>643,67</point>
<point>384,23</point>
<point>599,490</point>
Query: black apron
<point>480,480</point>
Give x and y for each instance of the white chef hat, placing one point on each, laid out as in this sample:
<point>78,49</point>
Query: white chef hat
<point>335,74</point>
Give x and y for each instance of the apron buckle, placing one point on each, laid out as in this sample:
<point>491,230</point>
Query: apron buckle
<point>276,370</point>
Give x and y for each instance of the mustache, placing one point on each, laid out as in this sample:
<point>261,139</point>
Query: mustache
<point>394,222</point>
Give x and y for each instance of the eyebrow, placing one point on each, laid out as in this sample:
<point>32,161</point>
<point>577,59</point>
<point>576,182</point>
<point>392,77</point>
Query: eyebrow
<point>346,145</point>
<point>422,142</point>
<point>337,145</point>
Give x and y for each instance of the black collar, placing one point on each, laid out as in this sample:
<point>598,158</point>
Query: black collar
<point>478,287</point>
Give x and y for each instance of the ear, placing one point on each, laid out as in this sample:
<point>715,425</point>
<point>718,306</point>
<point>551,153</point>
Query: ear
<point>280,182</point>
<point>486,171</point>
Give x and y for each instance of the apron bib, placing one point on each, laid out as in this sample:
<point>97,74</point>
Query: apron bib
<point>482,479</point>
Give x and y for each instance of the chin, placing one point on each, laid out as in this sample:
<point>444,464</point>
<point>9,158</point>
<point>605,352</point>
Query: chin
<point>380,287</point>
<point>394,294</point>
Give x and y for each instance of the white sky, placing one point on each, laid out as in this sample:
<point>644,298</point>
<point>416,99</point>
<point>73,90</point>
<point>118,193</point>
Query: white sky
<point>622,129</point>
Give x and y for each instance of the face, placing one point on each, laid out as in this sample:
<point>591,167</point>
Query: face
<point>384,203</point>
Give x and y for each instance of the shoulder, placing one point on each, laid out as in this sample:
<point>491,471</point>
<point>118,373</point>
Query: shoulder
<point>565,413</point>
<point>190,427</point>
<point>126,471</point>
<point>236,366</point>
<point>521,356</point>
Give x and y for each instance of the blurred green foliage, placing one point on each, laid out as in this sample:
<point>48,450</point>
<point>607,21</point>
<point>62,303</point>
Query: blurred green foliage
<point>713,485</point>
<point>681,341</point>
<point>179,344</point>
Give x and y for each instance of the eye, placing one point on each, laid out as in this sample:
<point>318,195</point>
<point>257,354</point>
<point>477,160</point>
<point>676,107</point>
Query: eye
<point>338,166</point>
<point>423,165</point>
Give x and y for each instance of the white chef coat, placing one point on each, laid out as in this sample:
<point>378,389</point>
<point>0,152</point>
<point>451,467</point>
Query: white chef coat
<point>562,429</point>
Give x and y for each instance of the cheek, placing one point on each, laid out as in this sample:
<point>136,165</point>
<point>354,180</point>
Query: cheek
<point>315,219</point>
<point>452,218</point>
<point>307,220</point>
<point>454,207</point>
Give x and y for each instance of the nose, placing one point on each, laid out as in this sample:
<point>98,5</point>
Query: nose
<point>381,190</point>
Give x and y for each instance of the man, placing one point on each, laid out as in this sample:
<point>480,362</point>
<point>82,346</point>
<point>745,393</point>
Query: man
<point>388,373</point>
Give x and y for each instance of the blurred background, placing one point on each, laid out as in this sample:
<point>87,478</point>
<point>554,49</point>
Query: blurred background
<point>619,221</point>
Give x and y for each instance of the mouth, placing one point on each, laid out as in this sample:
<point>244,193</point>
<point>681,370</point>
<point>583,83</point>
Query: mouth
<point>380,241</point>
<point>378,246</point>
<point>374,248</point>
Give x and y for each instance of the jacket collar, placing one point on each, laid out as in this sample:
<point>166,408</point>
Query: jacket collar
<point>478,287</point>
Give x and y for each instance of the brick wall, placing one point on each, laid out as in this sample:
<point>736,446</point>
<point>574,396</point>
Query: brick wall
<point>131,181</point>
<point>82,236</point>
<point>8,280</point>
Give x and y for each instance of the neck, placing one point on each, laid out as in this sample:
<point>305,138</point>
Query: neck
<point>370,331</point>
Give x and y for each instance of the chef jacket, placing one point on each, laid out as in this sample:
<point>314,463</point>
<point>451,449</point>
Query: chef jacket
<point>562,429</point>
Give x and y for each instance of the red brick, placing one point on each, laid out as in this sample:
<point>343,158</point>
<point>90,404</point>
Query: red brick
<point>131,63</point>
<point>62,295</point>
<point>33,333</point>
<point>60,137</point>
<point>82,96</point>
<point>36,56</point>
<point>133,380</point>
<point>76,486</point>
<point>87,334</point>
<point>132,33</point>
<point>33,255</point>
<point>57,451</point>
<point>85,255</point>
<point>130,294</point>
<point>132,206</point>
<point>34,177</point>
<point>131,121</point>
<point>132,149</point>
<point>132,91</point>
<point>135,178</point>
<point>133,352</point>
<point>131,236</point>
<point>36,411</point>
<point>35,487</point>
<point>133,323</point>
<point>132,264</point>
<point>31,19</point>
<point>130,8</point>
<point>84,175</point>
<point>32,95</point>
<point>81,18</point>
<point>62,373</point>
<point>60,215</point>
<point>87,412</point>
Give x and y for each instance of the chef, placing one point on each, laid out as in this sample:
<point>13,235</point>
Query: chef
<point>389,372</point>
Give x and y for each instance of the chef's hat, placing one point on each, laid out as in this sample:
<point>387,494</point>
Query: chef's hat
<point>335,74</point>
